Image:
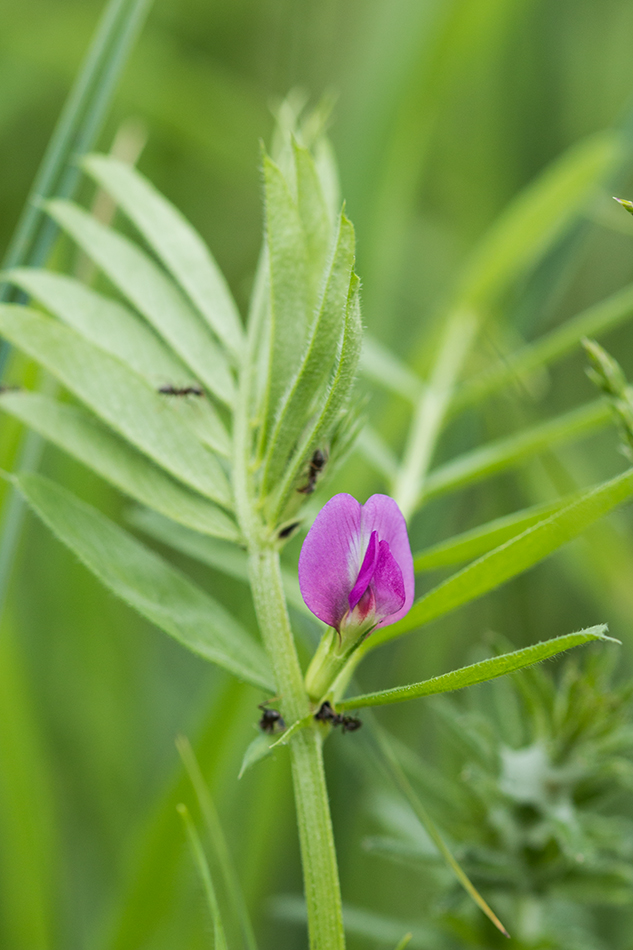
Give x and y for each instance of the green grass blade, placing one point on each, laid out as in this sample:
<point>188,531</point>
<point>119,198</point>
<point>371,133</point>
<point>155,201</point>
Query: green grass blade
<point>377,453</point>
<point>78,433</point>
<point>536,218</point>
<point>202,866</point>
<point>29,896</point>
<point>317,361</point>
<point>152,292</point>
<point>513,557</point>
<point>288,288</point>
<point>366,924</point>
<point>509,452</point>
<point>218,841</point>
<point>401,781</point>
<point>119,397</point>
<point>479,672</point>
<point>146,582</point>
<point>594,321</point>
<point>80,118</point>
<point>471,544</point>
<point>120,332</point>
<point>176,243</point>
<point>227,558</point>
<point>148,891</point>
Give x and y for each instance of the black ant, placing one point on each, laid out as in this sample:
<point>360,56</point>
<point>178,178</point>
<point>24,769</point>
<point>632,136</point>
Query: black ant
<point>181,390</point>
<point>288,530</point>
<point>272,720</point>
<point>325,713</point>
<point>317,464</point>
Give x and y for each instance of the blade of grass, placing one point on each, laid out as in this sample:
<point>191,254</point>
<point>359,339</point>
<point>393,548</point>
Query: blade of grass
<point>400,780</point>
<point>76,131</point>
<point>553,346</point>
<point>82,113</point>
<point>200,860</point>
<point>218,841</point>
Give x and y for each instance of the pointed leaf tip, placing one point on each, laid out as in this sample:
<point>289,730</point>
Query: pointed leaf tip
<point>628,205</point>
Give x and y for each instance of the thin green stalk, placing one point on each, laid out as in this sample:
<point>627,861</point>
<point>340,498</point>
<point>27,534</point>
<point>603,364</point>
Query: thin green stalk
<point>320,870</point>
<point>431,410</point>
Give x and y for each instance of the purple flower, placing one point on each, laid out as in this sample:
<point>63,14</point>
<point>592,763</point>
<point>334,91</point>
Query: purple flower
<point>355,567</point>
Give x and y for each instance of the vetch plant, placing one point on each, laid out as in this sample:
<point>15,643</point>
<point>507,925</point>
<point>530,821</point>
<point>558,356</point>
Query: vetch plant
<point>223,432</point>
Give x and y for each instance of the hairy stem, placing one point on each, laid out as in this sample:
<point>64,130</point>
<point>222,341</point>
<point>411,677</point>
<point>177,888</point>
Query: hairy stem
<point>320,870</point>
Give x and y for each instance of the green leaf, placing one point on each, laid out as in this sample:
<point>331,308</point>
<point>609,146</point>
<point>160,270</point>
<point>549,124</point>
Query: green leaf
<point>153,293</point>
<point>256,751</point>
<point>511,451</point>
<point>314,215</point>
<point>479,672</point>
<point>626,204</point>
<point>119,397</point>
<point>473,543</point>
<point>146,582</point>
<point>288,287</point>
<point>594,321</point>
<point>316,365</point>
<point>176,243</point>
<point>106,323</point>
<point>82,436</point>
<point>123,334</point>
<point>218,555</point>
<point>512,558</point>
<point>334,402</point>
<point>381,366</point>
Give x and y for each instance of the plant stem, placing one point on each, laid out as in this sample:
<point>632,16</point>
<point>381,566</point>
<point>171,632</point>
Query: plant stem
<point>431,410</point>
<point>320,871</point>
<point>318,855</point>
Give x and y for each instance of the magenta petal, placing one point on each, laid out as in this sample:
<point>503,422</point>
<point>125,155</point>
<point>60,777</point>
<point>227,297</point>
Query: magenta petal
<point>366,571</point>
<point>351,551</point>
<point>381,514</point>
<point>330,559</point>
<point>387,585</point>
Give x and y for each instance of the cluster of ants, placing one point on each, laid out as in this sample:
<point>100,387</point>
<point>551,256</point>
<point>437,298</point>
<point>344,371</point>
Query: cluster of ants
<point>272,721</point>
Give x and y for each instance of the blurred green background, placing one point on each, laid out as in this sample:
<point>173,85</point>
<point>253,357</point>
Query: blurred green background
<point>445,109</point>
